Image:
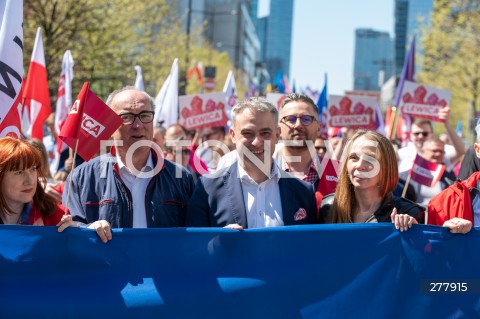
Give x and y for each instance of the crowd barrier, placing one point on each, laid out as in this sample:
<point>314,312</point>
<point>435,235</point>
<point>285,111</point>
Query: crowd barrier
<point>317,271</point>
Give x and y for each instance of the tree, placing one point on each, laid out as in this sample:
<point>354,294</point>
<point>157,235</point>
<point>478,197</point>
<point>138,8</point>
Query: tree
<point>109,37</point>
<point>451,58</point>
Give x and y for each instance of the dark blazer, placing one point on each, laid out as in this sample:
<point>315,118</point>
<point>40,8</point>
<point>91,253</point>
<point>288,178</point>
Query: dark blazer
<point>218,201</point>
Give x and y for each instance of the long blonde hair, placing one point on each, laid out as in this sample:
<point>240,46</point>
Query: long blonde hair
<point>344,200</point>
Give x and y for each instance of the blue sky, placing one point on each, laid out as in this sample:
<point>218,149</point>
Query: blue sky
<point>324,39</point>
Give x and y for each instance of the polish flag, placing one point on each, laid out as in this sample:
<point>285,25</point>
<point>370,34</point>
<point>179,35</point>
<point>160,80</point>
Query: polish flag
<point>11,67</point>
<point>35,93</point>
<point>64,102</point>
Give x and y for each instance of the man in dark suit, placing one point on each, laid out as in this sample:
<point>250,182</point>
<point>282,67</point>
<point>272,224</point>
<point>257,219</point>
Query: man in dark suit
<point>253,192</point>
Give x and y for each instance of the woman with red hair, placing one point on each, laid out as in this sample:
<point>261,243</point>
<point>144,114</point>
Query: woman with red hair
<point>23,200</point>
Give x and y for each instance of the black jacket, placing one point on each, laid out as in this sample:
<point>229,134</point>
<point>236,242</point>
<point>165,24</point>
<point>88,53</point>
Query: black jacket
<point>382,214</point>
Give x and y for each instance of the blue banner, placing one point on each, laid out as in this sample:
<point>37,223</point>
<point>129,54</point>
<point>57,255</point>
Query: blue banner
<point>318,271</point>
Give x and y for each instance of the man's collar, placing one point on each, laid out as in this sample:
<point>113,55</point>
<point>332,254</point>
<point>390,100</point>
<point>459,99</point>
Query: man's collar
<point>274,173</point>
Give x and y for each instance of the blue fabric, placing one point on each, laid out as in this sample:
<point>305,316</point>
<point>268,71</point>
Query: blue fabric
<point>314,271</point>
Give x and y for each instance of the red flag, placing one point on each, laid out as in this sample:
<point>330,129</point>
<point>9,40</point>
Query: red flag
<point>425,172</point>
<point>35,93</point>
<point>90,121</point>
<point>328,176</point>
<point>11,67</point>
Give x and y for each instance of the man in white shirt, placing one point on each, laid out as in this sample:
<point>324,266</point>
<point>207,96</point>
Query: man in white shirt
<point>253,192</point>
<point>421,131</point>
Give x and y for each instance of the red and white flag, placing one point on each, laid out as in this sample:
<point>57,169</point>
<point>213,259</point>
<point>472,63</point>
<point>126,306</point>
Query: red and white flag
<point>425,172</point>
<point>64,96</point>
<point>196,70</point>
<point>11,67</point>
<point>90,121</point>
<point>64,102</point>
<point>35,93</point>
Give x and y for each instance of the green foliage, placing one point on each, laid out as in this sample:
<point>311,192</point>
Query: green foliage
<point>451,60</point>
<point>108,38</point>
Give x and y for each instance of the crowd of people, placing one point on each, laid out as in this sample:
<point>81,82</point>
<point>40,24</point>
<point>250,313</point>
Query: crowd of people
<point>268,171</point>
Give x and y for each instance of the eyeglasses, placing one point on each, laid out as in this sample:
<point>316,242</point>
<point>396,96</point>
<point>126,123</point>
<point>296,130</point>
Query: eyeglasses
<point>424,134</point>
<point>144,117</point>
<point>323,148</point>
<point>306,120</point>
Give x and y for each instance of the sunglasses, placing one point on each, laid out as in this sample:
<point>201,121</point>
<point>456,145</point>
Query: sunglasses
<point>424,134</point>
<point>306,120</point>
<point>323,148</point>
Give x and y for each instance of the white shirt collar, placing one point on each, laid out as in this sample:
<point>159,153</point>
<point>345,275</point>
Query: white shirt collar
<point>243,175</point>
<point>121,166</point>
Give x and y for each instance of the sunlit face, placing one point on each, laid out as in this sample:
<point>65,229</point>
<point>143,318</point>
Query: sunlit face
<point>363,167</point>
<point>320,147</point>
<point>132,101</point>
<point>158,138</point>
<point>433,152</point>
<point>18,187</point>
<point>419,134</point>
<point>255,132</point>
<point>297,131</point>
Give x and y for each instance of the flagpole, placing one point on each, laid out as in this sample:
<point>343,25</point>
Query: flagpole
<point>71,175</point>
<point>406,185</point>
<point>393,123</point>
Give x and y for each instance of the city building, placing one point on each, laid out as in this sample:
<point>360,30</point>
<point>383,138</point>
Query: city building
<point>410,17</point>
<point>373,64</point>
<point>275,34</point>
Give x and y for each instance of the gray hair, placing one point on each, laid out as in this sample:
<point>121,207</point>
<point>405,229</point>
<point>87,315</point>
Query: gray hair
<point>432,140</point>
<point>255,104</point>
<point>127,88</point>
<point>295,97</point>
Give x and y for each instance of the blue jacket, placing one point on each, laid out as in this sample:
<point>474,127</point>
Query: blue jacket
<point>94,197</point>
<point>217,202</point>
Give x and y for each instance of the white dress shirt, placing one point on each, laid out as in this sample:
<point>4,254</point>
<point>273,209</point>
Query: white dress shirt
<point>137,187</point>
<point>262,201</point>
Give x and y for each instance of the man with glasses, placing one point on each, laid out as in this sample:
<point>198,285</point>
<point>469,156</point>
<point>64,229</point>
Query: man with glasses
<point>433,150</point>
<point>133,186</point>
<point>299,129</point>
<point>421,131</point>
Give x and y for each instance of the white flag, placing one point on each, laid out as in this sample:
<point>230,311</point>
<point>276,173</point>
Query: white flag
<point>166,102</point>
<point>11,67</point>
<point>139,80</point>
<point>230,90</point>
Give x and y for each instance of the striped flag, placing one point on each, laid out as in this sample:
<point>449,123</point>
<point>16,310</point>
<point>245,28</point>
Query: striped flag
<point>36,96</point>
<point>64,102</point>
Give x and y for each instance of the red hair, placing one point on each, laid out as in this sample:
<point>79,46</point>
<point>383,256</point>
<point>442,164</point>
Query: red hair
<point>18,154</point>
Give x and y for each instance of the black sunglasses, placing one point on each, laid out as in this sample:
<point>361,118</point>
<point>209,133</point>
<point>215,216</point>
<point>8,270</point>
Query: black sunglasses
<point>424,134</point>
<point>324,148</point>
<point>306,120</point>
